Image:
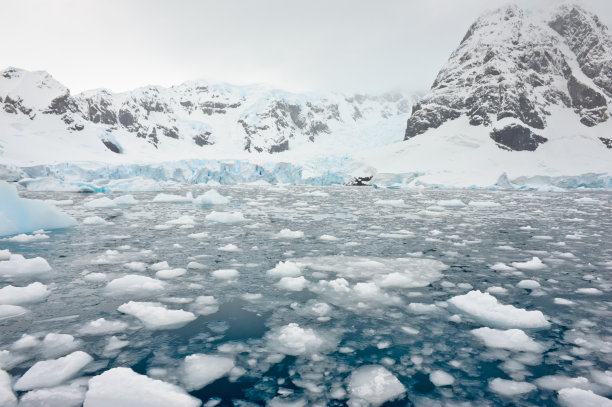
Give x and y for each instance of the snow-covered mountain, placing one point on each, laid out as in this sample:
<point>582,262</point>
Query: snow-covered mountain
<point>513,68</point>
<point>191,120</point>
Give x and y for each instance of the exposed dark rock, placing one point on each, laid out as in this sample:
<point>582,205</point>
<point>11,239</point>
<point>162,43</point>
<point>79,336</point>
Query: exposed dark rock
<point>607,141</point>
<point>280,147</point>
<point>588,103</point>
<point>517,138</point>
<point>111,146</point>
<point>203,139</point>
<point>61,105</point>
<point>360,181</point>
<point>126,118</point>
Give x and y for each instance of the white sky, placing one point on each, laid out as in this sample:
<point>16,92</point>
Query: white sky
<point>304,45</point>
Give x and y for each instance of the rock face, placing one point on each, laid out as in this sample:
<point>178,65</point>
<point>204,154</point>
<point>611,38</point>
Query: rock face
<point>512,68</point>
<point>252,119</point>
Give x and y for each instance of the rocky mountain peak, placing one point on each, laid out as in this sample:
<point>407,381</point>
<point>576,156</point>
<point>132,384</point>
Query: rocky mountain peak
<point>513,67</point>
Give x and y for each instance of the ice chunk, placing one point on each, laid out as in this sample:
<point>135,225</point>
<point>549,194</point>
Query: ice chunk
<point>573,397</point>
<point>534,264</point>
<point>200,235</point>
<point>11,311</point>
<point>54,345</point>
<point>294,340</point>
<point>7,397</point>
<point>113,345</point>
<point>510,388</point>
<point>134,285</point>
<point>65,396</point>
<point>229,248</point>
<point>136,266</point>
<point>328,238</point>
<point>169,198</point>
<point>25,342</point>
<point>563,301</point>
<point>33,293</point>
<point>375,385</point>
<point>156,316</point>
<point>199,370</point>
<point>205,305</point>
<point>122,387</point>
<point>211,197</point>
<point>125,200</point>
<point>162,265</point>
<point>285,269</point>
<point>484,204</point>
<point>589,291</point>
<point>225,274</point>
<point>440,378</point>
<point>511,339</point>
<point>528,284</point>
<point>292,283</point>
<point>169,274</point>
<point>20,215</point>
<point>183,220</point>
<point>290,234</point>
<point>103,202</point>
<point>49,373</point>
<point>17,265</point>
<point>558,382</point>
<point>450,203</point>
<point>225,217</point>
<point>94,220</point>
<point>102,326</point>
<point>486,309</point>
<point>502,267</point>
<point>23,238</point>
<point>398,203</point>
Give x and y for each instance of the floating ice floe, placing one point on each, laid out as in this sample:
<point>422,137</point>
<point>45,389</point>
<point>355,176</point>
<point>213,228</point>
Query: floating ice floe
<point>169,198</point>
<point>17,265</point>
<point>199,235</point>
<point>103,202</point>
<point>54,345</point>
<point>205,305</point>
<point>156,316</point>
<point>328,238</point>
<point>11,311</point>
<point>122,387</point>
<point>170,274</point>
<point>211,197</point>
<point>31,294</point>
<point>225,274</point>
<point>510,339</point>
<point>574,397</point>
<point>450,203</point>
<point>589,291</point>
<point>292,283</point>
<point>374,385</point>
<point>183,220</point>
<point>440,378</point>
<point>20,215</point>
<point>25,342</point>
<point>200,370</point>
<point>134,285</point>
<point>534,264</point>
<point>114,345</point>
<point>285,269</point>
<point>48,373</point>
<point>294,340</point>
<point>485,308</point>
<point>290,234</point>
<point>65,396</point>
<point>397,203</point>
<point>528,284</point>
<point>7,397</point>
<point>484,204</point>
<point>510,388</point>
<point>25,238</point>
<point>229,248</point>
<point>102,326</point>
<point>162,265</point>
<point>225,217</point>
<point>125,200</point>
<point>94,220</point>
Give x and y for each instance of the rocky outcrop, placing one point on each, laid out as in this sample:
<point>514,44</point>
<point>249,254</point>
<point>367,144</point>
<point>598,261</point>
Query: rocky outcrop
<point>513,68</point>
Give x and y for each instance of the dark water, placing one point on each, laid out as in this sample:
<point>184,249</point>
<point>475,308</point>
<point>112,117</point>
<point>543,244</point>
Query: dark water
<point>570,235</point>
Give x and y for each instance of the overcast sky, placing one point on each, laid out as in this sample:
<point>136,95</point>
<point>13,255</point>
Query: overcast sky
<point>305,45</point>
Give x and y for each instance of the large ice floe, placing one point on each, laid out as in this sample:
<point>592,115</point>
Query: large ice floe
<point>20,215</point>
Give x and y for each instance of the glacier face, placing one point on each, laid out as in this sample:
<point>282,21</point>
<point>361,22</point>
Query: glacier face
<point>513,67</point>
